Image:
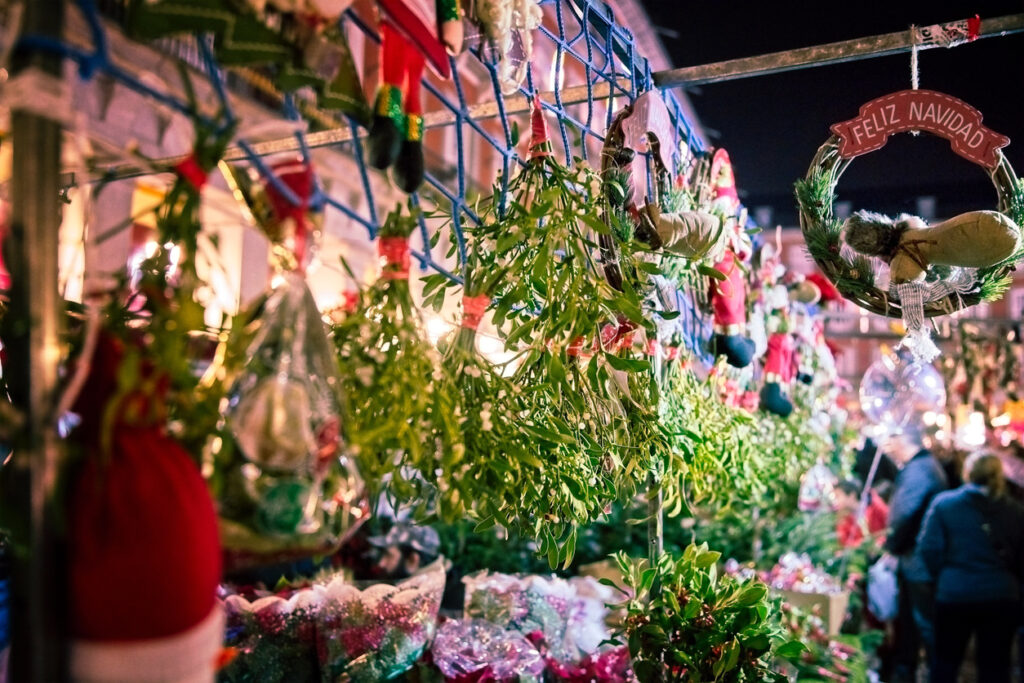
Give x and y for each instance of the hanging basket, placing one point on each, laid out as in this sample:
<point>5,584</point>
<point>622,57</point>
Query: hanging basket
<point>854,274</point>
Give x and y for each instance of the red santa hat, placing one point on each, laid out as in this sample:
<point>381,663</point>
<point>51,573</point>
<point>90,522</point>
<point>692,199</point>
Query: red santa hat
<point>828,290</point>
<point>723,181</point>
<point>144,554</point>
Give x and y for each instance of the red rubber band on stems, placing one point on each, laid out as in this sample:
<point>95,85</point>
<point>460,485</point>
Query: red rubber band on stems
<point>394,253</point>
<point>473,308</point>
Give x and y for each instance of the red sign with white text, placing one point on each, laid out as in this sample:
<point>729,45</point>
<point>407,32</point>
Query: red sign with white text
<point>926,110</point>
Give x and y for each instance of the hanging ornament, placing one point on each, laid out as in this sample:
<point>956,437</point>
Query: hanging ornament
<point>143,553</point>
<point>728,286</point>
<point>509,26</point>
<point>817,488</point>
<point>283,208</point>
<point>932,270</point>
<point>290,488</point>
<point>779,369</point>
<point>897,390</point>
<point>641,131</point>
<point>413,33</point>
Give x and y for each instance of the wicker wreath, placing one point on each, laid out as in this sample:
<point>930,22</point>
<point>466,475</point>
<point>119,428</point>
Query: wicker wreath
<point>854,276</point>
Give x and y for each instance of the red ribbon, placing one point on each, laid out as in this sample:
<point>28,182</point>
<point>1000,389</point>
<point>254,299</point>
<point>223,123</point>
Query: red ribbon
<point>192,172</point>
<point>394,252</point>
<point>576,347</point>
<point>619,335</point>
<point>973,28</point>
<point>540,143</point>
<point>473,308</point>
<point>297,176</point>
<point>350,300</point>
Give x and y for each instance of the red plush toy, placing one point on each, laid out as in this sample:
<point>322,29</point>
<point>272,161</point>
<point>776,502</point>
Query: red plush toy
<point>779,369</point>
<point>413,32</point>
<point>729,296</point>
<point>144,556</point>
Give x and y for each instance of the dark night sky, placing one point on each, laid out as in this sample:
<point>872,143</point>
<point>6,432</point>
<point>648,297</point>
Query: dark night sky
<point>772,125</point>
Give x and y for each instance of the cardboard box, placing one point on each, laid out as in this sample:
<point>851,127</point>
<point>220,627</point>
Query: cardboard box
<point>830,606</point>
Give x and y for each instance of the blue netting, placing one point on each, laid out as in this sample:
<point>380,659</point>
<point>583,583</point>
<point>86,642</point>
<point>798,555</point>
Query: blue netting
<point>580,42</point>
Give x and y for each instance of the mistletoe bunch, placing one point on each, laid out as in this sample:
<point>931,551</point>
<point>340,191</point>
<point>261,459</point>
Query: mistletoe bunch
<point>403,427</point>
<point>577,374</point>
<point>685,622</point>
<point>163,301</point>
<point>574,328</point>
<point>711,439</point>
<point>522,468</point>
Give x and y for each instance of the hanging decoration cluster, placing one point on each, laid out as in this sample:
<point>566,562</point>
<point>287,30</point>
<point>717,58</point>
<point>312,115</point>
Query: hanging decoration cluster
<point>927,270</point>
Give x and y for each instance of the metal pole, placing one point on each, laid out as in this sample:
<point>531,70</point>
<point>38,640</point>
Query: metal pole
<point>655,520</point>
<point>733,69</point>
<point>819,55</point>
<point>32,330</point>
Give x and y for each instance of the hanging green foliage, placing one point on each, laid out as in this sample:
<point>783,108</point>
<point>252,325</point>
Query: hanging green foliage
<point>403,428</point>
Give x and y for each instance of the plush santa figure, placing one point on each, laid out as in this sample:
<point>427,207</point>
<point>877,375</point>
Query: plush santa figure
<point>413,32</point>
<point>729,296</point>
<point>144,555</point>
<point>779,370</point>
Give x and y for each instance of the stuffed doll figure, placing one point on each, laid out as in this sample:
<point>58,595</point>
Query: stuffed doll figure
<point>413,33</point>
<point>976,239</point>
<point>729,307</point>
<point>779,370</point>
<point>729,296</point>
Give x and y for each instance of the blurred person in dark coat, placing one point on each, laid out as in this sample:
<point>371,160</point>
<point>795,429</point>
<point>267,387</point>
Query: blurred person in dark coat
<point>972,545</point>
<point>921,478</point>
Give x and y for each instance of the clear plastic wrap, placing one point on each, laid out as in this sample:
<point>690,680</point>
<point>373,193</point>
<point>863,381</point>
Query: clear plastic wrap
<point>569,616</point>
<point>331,629</point>
<point>289,487</point>
<point>474,646</point>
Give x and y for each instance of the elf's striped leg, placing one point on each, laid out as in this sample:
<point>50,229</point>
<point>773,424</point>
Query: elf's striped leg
<point>388,127</point>
<point>409,167</point>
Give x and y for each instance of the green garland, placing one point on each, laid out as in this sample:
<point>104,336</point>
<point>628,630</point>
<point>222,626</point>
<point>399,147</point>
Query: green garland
<point>854,277</point>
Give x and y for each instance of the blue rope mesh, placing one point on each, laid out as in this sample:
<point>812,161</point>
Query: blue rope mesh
<point>585,40</point>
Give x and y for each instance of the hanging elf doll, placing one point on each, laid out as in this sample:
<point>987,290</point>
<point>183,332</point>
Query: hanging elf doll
<point>780,365</point>
<point>729,295</point>
<point>413,32</point>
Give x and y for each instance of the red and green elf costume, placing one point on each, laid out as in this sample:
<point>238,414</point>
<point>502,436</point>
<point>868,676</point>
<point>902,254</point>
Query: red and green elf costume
<point>413,32</point>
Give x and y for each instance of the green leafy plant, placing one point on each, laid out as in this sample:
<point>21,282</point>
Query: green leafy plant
<point>841,659</point>
<point>685,622</point>
<point>580,393</point>
<point>527,477</point>
<point>402,426</point>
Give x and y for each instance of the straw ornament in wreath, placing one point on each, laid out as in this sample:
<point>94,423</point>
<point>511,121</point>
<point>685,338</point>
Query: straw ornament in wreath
<point>932,270</point>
